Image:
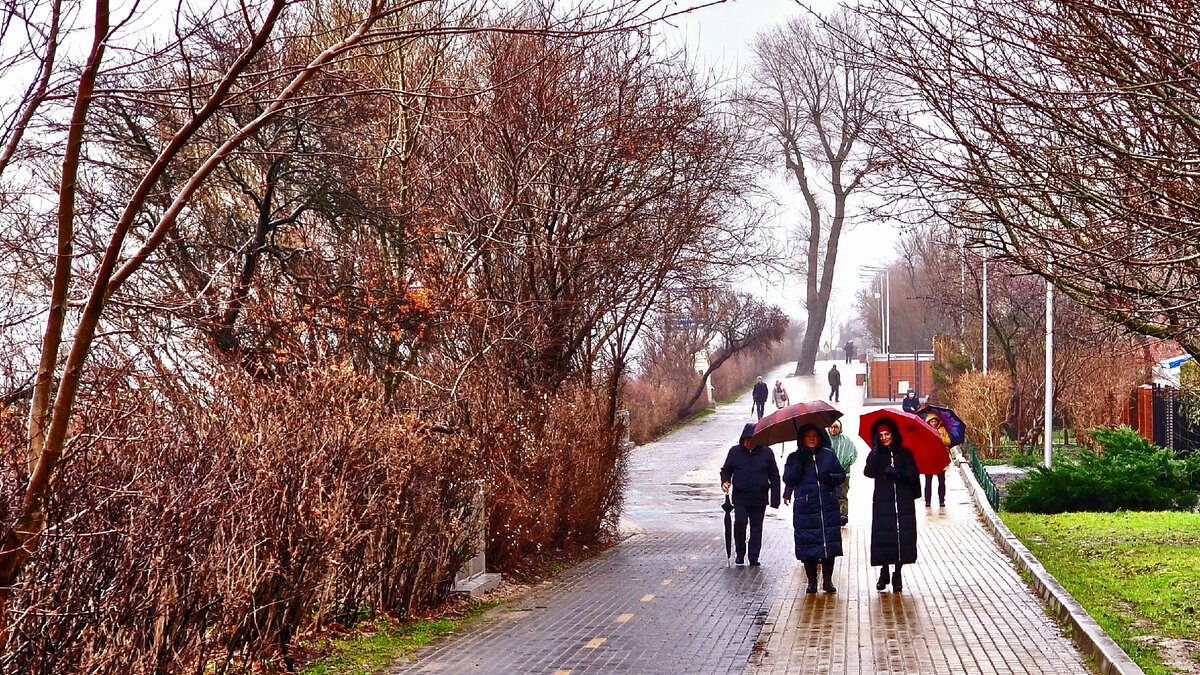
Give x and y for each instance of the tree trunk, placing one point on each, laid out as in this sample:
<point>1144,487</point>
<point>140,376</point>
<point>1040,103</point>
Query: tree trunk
<point>683,410</point>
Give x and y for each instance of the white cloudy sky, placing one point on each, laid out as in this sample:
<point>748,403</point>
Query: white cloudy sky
<point>718,37</point>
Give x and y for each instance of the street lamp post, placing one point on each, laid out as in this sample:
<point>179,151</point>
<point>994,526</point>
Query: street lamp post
<point>1048,432</point>
<point>886,290</point>
<point>985,314</point>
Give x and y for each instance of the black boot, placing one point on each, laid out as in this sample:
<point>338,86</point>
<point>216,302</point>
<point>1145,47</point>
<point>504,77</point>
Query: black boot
<point>897,582</point>
<point>810,569</point>
<point>884,579</point>
<point>827,576</point>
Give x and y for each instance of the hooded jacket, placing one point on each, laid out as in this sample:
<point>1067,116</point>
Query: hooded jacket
<point>812,479</point>
<point>897,485</point>
<point>753,473</point>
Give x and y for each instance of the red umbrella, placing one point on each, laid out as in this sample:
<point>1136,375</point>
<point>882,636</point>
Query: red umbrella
<point>783,424</point>
<point>926,444</point>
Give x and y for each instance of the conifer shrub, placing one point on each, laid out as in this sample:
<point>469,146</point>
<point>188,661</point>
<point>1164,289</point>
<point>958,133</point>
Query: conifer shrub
<point>1129,473</point>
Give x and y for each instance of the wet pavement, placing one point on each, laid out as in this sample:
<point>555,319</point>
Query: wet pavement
<point>665,601</point>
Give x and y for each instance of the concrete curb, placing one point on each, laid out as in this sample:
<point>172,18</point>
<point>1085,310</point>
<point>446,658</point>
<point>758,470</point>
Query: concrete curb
<point>1107,656</point>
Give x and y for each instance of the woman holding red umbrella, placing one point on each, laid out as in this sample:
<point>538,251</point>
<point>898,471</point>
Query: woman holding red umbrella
<point>893,514</point>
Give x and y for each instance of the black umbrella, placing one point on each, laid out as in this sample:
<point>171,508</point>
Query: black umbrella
<point>728,507</point>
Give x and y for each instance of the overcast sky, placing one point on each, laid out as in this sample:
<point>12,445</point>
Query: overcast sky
<point>719,37</point>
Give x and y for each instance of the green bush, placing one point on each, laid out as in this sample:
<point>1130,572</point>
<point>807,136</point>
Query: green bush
<point>1024,460</point>
<point>1129,474</point>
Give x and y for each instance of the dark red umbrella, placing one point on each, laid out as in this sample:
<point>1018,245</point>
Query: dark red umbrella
<point>783,424</point>
<point>926,444</point>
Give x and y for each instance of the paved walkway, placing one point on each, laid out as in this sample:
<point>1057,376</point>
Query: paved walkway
<point>664,601</point>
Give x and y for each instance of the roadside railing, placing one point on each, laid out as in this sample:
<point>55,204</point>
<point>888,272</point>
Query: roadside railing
<point>989,488</point>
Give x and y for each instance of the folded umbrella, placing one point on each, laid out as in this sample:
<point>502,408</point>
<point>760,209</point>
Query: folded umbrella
<point>955,428</point>
<point>784,424</point>
<point>728,507</point>
<point>926,445</point>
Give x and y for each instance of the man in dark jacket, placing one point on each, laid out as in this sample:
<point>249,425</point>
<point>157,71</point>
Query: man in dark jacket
<point>760,396</point>
<point>750,471</point>
<point>835,383</point>
<point>911,404</point>
<point>849,347</point>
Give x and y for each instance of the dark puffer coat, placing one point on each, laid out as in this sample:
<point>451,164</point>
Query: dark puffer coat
<point>753,473</point>
<point>893,513</point>
<point>814,486</point>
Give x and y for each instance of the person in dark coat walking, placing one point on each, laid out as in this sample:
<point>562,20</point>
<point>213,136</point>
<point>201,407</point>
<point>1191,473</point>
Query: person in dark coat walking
<point>811,475</point>
<point>835,384</point>
<point>893,514</point>
<point>911,404</point>
<point>750,471</point>
<point>760,396</point>
<point>849,347</point>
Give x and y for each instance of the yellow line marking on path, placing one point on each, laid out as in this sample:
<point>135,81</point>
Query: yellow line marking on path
<point>562,671</point>
<point>648,597</point>
<point>596,642</point>
<point>706,547</point>
<point>624,617</point>
<point>666,582</point>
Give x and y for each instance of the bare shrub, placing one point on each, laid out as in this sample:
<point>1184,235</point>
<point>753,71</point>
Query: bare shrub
<point>1100,396</point>
<point>206,530</point>
<point>982,402</point>
<point>552,470</point>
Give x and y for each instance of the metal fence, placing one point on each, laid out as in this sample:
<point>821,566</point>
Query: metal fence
<point>989,488</point>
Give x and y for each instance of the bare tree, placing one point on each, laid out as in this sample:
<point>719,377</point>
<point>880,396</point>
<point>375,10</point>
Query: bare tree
<point>250,71</point>
<point>1062,136</point>
<point>731,323</point>
<point>818,100</point>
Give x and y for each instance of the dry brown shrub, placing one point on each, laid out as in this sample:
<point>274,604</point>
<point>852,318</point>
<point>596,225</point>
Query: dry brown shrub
<point>1098,395</point>
<point>205,531</point>
<point>982,402</point>
<point>552,468</point>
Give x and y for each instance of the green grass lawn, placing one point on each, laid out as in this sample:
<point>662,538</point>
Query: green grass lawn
<point>370,652</point>
<point>1135,573</point>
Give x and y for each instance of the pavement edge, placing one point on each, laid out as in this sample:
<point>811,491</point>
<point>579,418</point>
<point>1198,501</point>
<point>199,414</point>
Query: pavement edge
<point>1107,655</point>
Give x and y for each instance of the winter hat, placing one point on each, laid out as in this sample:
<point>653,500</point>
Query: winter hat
<point>747,431</point>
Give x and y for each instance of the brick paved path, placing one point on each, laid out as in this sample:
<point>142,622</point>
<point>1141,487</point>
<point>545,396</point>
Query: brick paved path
<point>664,601</point>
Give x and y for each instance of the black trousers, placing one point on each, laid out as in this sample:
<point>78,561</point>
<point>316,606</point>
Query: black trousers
<point>941,488</point>
<point>754,516</point>
<point>834,391</point>
<point>758,406</point>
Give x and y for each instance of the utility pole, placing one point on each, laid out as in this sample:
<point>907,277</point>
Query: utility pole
<point>887,279</point>
<point>985,314</point>
<point>1047,447</point>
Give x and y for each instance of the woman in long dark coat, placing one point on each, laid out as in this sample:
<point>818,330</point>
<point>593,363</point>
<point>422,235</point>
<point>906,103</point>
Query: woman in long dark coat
<point>893,513</point>
<point>811,476</point>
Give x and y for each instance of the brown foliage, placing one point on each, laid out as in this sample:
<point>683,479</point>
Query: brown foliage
<point>215,525</point>
<point>982,402</point>
<point>552,469</point>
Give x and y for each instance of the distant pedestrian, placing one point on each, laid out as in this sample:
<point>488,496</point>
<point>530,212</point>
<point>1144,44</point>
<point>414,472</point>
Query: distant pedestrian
<point>760,397</point>
<point>811,475</point>
<point>893,515</point>
<point>932,419</point>
<point>850,349</point>
<point>835,384</point>
<point>780,395</point>
<point>847,454</point>
<point>911,403</point>
<point>751,473</point>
